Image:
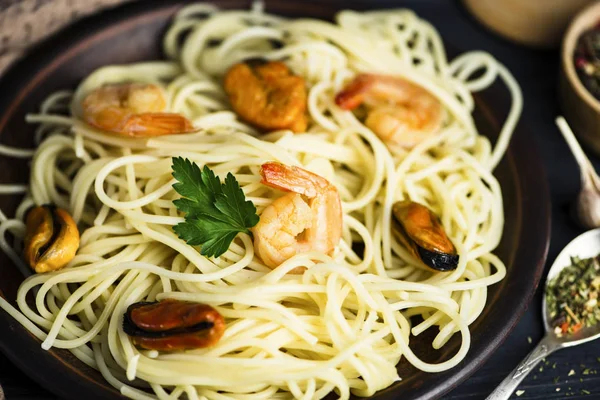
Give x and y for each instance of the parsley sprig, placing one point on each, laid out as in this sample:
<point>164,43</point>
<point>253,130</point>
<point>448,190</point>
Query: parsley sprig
<point>215,212</point>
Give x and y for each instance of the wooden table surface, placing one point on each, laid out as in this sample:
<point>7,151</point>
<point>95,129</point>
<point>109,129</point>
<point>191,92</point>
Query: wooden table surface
<point>572,373</point>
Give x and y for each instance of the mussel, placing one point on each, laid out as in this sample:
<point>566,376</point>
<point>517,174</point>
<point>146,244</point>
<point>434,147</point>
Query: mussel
<point>51,238</point>
<point>421,232</point>
<point>170,325</point>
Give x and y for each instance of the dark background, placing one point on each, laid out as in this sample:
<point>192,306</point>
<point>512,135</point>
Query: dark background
<point>537,73</point>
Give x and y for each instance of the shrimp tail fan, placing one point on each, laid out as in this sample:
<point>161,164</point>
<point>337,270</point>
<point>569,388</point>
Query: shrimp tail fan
<point>157,124</point>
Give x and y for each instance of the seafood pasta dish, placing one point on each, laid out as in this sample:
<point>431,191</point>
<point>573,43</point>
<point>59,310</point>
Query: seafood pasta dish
<point>274,211</point>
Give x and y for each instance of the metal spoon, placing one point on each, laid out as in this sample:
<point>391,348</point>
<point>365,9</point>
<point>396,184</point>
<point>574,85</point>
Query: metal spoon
<point>585,245</point>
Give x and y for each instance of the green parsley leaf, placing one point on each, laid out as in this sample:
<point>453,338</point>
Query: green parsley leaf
<point>215,212</point>
<point>232,202</point>
<point>198,189</point>
<point>215,236</point>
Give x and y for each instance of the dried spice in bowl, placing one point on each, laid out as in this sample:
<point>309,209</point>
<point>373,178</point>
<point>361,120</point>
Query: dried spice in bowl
<point>572,297</point>
<point>587,60</point>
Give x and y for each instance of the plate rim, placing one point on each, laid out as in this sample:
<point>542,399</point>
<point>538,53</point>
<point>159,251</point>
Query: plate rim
<point>93,27</point>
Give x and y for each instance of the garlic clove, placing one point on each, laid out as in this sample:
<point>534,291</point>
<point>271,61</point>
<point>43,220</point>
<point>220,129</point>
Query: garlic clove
<point>586,208</point>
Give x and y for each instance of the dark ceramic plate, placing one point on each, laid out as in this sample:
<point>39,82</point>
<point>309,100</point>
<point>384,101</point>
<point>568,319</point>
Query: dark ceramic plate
<point>133,33</point>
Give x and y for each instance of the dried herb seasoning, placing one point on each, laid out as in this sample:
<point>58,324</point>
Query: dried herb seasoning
<point>572,296</point>
<point>587,60</point>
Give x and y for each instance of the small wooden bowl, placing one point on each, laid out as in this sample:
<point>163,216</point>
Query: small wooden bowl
<point>537,23</point>
<point>578,105</point>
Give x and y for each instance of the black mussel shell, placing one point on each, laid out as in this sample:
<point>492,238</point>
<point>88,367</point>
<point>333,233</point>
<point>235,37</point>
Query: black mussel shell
<point>438,261</point>
<point>421,232</point>
<point>131,329</point>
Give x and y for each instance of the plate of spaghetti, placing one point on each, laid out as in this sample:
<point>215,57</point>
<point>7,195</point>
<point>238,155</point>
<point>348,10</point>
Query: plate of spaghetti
<point>234,202</point>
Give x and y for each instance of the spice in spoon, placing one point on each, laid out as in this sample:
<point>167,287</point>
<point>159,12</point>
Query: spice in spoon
<point>572,296</point>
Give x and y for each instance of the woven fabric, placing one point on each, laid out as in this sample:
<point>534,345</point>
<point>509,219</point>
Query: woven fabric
<point>25,22</point>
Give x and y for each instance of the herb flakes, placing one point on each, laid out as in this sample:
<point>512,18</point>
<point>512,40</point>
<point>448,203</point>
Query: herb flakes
<point>571,297</point>
<point>587,62</point>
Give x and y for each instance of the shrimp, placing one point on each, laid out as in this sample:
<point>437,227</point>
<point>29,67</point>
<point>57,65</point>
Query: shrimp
<point>267,95</point>
<point>132,109</point>
<point>307,218</point>
<point>398,111</point>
